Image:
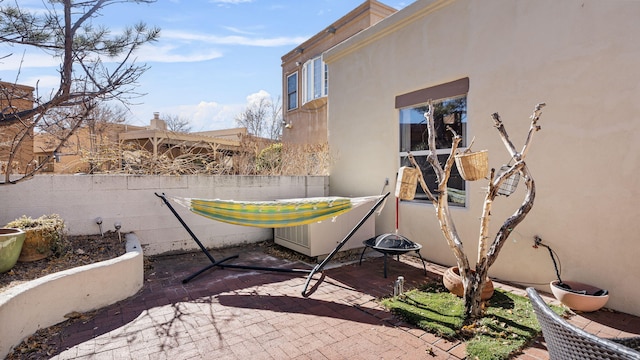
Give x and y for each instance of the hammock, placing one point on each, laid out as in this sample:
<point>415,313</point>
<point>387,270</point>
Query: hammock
<point>272,214</point>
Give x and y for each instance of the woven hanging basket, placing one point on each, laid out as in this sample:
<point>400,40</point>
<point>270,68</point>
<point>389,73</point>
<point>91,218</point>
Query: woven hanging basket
<point>473,165</point>
<point>407,183</point>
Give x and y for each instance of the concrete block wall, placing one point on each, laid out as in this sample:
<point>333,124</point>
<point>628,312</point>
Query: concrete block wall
<point>131,200</point>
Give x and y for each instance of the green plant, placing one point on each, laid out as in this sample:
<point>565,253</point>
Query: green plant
<point>51,226</point>
<point>508,325</point>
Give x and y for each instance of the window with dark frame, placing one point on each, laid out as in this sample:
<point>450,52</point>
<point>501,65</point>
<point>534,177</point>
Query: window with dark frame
<point>450,110</point>
<point>292,91</point>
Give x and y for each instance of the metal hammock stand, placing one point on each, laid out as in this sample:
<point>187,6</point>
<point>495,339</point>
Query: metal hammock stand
<point>310,273</point>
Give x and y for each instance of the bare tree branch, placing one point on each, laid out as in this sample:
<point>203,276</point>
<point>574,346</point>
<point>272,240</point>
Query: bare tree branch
<point>95,65</point>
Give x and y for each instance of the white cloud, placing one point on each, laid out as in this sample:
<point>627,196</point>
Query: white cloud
<point>31,59</point>
<point>234,39</point>
<point>238,31</point>
<point>255,98</point>
<point>203,116</point>
<point>230,1</point>
<point>171,53</point>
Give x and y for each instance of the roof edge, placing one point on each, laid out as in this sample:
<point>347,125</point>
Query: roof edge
<point>392,23</point>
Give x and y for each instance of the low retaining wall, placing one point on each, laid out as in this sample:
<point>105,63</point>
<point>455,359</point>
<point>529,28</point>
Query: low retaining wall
<point>43,302</point>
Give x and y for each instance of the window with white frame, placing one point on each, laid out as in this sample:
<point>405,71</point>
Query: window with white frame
<point>292,91</point>
<point>450,111</point>
<point>314,79</point>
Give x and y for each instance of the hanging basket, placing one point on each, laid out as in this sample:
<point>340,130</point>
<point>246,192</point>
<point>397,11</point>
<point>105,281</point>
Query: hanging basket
<point>407,183</point>
<point>473,166</point>
<point>510,184</point>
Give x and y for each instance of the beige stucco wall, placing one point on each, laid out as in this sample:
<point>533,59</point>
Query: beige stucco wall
<point>307,124</point>
<point>580,57</point>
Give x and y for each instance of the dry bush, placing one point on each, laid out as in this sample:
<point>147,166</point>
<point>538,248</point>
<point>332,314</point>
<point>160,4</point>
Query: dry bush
<point>209,159</point>
<point>311,159</point>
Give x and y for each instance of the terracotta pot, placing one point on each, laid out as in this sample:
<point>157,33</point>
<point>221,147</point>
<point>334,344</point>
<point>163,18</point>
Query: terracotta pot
<point>37,245</point>
<point>580,302</point>
<point>453,282</point>
<point>11,241</point>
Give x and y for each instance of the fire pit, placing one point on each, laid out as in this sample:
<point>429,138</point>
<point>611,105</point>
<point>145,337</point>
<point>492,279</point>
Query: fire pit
<point>392,244</point>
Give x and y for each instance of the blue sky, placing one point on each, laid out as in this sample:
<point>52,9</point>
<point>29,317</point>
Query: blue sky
<point>213,56</point>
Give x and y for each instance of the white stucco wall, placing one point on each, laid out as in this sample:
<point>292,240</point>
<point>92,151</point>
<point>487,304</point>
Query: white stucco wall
<point>46,301</point>
<point>579,57</point>
<point>131,200</point>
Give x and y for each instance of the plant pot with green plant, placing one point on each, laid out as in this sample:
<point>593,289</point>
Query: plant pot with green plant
<point>44,236</point>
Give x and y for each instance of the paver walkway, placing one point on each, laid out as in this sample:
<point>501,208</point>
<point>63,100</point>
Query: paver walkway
<point>246,314</point>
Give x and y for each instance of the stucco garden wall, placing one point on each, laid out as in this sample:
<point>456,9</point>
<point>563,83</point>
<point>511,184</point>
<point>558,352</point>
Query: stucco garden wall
<point>580,57</point>
<point>131,200</point>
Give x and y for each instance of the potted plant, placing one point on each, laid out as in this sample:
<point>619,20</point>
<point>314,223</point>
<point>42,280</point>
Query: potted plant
<point>11,241</point>
<point>44,236</point>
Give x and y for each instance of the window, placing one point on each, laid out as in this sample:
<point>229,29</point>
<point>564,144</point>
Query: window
<point>48,166</point>
<point>314,79</point>
<point>449,110</point>
<point>292,91</point>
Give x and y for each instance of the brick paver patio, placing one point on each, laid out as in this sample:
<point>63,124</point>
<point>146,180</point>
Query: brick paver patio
<point>247,314</point>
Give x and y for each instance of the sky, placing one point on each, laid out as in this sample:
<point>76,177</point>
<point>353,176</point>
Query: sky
<point>213,57</point>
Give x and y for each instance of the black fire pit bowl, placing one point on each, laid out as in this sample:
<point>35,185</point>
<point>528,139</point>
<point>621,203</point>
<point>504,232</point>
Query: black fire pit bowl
<point>392,244</point>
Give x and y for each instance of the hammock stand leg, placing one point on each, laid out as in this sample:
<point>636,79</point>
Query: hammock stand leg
<point>219,263</point>
<point>324,262</point>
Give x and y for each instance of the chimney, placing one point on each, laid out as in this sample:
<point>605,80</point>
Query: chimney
<point>156,123</point>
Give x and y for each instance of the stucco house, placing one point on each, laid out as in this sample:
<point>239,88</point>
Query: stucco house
<point>578,57</point>
<point>305,75</point>
<point>90,149</point>
<point>105,146</point>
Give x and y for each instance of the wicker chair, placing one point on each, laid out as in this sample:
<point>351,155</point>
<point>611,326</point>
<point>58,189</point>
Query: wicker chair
<point>567,341</point>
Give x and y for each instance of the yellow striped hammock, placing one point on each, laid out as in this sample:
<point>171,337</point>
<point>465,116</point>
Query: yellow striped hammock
<point>276,213</point>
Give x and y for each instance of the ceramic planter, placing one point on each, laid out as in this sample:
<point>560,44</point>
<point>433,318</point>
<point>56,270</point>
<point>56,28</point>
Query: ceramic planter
<point>11,241</point>
<point>581,302</point>
<point>453,282</point>
<point>37,245</point>
<point>42,235</point>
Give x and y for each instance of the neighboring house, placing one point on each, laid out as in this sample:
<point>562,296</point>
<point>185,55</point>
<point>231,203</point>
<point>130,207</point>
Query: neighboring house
<point>92,148</point>
<point>579,57</point>
<point>15,97</point>
<point>104,147</point>
<point>226,145</point>
<point>305,76</point>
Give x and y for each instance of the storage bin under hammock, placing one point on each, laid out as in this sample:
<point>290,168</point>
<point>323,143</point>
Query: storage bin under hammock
<point>473,166</point>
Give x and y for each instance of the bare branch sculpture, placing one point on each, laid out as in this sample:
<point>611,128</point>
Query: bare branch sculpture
<point>474,279</point>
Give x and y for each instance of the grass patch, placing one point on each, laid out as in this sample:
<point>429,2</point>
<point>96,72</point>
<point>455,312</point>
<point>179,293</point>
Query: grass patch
<point>509,323</point>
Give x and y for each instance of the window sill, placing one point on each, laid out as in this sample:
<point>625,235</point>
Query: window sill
<point>315,104</point>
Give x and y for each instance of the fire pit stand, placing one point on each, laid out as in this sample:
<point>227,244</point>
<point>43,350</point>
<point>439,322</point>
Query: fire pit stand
<point>392,244</point>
